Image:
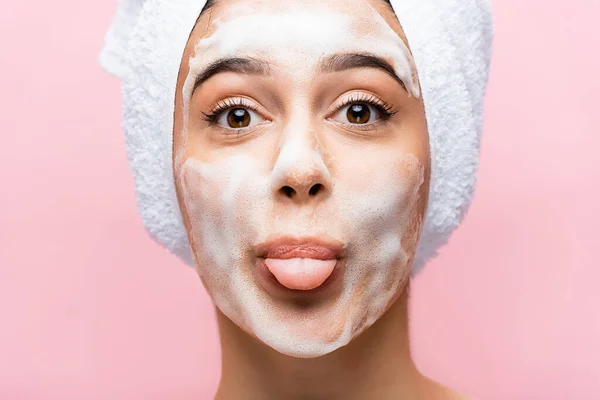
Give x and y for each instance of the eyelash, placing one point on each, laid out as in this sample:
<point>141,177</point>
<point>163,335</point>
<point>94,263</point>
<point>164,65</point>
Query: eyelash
<point>225,105</point>
<point>385,109</point>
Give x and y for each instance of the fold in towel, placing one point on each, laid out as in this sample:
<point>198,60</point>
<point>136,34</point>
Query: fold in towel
<point>451,42</point>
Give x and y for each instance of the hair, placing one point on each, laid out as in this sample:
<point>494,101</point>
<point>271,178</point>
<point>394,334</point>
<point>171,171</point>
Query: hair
<point>210,3</point>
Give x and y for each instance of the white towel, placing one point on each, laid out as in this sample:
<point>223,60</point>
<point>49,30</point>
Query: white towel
<point>451,42</point>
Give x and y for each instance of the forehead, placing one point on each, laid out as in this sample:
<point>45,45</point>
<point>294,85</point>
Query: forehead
<point>297,35</point>
<point>313,22</point>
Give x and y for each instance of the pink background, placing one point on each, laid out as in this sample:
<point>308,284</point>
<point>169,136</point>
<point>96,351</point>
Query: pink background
<point>90,308</point>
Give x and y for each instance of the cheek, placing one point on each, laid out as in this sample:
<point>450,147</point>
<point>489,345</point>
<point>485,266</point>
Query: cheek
<point>221,200</point>
<point>384,217</point>
<point>210,192</point>
<point>409,204</point>
<point>203,211</point>
<point>382,192</point>
<point>410,209</point>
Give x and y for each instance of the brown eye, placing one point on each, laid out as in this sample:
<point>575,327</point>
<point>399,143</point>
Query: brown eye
<point>238,118</point>
<point>358,113</point>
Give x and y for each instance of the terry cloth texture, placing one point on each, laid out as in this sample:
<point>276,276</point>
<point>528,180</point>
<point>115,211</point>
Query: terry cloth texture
<point>451,42</point>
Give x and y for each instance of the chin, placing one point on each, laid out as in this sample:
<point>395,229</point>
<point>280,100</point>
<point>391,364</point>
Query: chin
<point>310,324</point>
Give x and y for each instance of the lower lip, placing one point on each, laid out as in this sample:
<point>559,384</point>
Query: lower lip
<point>272,285</point>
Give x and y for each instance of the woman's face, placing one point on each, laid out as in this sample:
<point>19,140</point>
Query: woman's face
<point>301,161</point>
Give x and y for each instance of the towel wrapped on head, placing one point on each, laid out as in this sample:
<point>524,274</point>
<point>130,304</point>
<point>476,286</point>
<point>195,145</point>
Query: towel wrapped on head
<point>451,42</point>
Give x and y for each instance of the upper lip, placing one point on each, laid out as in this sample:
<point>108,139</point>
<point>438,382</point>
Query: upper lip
<point>315,247</point>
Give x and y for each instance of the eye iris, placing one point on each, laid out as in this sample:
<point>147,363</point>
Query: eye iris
<point>238,118</point>
<point>358,113</point>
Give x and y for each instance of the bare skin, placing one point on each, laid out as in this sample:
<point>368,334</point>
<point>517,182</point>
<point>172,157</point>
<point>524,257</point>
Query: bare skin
<point>377,364</point>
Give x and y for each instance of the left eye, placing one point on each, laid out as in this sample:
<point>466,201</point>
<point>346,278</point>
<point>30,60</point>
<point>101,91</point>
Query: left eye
<point>357,114</point>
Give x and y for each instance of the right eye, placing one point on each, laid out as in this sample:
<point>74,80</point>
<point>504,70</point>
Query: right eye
<point>234,114</point>
<point>238,118</point>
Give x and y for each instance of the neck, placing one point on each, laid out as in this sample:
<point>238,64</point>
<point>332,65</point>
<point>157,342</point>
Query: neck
<point>376,364</point>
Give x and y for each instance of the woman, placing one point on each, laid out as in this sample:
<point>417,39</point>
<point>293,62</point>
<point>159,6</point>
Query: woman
<point>306,157</point>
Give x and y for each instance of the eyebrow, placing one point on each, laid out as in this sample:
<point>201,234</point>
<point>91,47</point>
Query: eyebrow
<point>333,63</point>
<point>346,61</point>
<point>246,66</point>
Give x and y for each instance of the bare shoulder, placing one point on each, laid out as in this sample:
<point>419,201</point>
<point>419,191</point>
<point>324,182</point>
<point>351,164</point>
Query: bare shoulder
<point>461,396</point>
<point>436,391</point>
<point>449,394</point>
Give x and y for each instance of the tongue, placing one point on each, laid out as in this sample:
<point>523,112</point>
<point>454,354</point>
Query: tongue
<point>300,273</point>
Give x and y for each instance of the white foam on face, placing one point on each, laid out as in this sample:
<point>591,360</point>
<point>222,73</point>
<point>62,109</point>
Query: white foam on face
<point>232,203</point>
<point>297,149</point>
<point>299,35</point>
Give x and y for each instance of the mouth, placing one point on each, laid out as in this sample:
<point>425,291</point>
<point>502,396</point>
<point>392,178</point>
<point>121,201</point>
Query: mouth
<point>299,265</point>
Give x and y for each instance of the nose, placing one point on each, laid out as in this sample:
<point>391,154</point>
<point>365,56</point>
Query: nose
<point>302,187</point>
<point>300,173</point>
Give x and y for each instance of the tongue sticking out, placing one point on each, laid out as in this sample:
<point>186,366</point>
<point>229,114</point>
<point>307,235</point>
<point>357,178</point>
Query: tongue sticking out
<point>300,273</point>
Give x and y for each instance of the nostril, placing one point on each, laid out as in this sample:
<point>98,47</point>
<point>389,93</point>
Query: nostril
<point>288,191</point>
<point>315,189</point>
